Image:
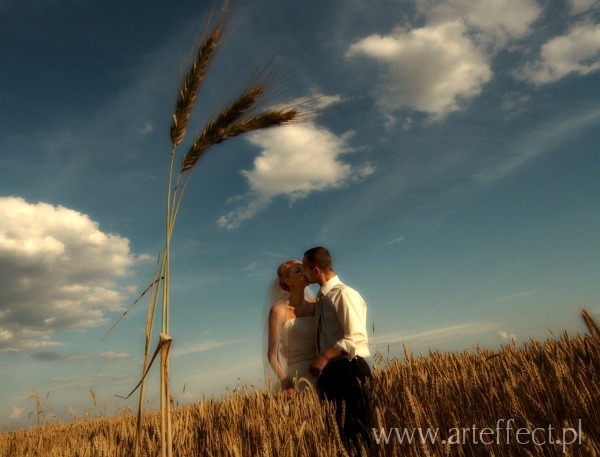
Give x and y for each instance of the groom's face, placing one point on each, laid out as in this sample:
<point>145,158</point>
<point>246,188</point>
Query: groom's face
<point>310,271</point>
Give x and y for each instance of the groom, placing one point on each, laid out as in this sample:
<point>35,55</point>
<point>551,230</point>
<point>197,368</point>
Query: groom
<point>342,344</point>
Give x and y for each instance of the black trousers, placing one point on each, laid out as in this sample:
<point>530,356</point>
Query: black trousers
<point>343,383</point>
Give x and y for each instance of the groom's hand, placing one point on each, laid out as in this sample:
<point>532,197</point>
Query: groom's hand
<point>323,359</point>
<point>317,367</point>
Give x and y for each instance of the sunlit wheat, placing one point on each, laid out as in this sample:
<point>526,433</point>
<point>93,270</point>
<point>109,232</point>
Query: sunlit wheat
<point>539,383</point>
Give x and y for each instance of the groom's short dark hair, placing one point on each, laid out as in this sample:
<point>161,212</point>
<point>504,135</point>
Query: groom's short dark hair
<point>319,257</point>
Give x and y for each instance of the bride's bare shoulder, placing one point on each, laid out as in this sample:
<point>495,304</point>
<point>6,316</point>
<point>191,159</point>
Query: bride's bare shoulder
<point>279,308</point>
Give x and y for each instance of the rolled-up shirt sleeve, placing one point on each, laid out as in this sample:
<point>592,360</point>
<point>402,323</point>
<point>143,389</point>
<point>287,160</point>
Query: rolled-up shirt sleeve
<point>351,311</point>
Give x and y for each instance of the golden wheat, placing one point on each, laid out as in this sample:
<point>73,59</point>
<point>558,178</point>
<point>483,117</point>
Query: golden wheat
<point>540,383</point>
<point>190,86</point>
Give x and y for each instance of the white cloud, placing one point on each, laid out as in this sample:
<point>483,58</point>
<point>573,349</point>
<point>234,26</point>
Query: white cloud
<point>295,161</point>
<point>58,271</point>
<point>430,69</point>
<point>147,128</point>
<point>507,336</point>
<point>16,413</point>
<point>436,68</point>
<point>110,355</point>
<point>396,240</point>
<point>576,52</point>
<point>491,23</point>
<point>583,6</point>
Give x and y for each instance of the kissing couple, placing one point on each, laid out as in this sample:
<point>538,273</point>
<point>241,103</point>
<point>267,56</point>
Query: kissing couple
<point>320,341</point>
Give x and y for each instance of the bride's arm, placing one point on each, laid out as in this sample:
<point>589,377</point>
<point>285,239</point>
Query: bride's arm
<point>276,316</point>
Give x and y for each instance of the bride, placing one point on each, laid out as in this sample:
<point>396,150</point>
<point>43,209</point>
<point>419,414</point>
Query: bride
<point>290,327</point>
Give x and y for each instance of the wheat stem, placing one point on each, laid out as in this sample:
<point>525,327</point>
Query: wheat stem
<point>236,119</point>
<point>149,326</point>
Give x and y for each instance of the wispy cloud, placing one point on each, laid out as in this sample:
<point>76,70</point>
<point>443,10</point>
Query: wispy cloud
<point>48,356</point>
<point>583,6</point>
<point>204,346</point>
<point>536,143</point>
<point>110,355</point>
<point>66,379</point>
<point>518,295</point>
<point>250,368</point>
<point>396,240</point>
<point>294,162</point>
<point>447,333</point>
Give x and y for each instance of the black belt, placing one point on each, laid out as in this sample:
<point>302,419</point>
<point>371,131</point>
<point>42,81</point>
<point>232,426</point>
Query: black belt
<point>346,360</point>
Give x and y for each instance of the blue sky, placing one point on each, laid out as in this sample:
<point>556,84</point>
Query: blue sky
<point>453,177</point>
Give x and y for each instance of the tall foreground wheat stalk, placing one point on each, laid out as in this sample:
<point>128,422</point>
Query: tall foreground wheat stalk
<point>247,112</point>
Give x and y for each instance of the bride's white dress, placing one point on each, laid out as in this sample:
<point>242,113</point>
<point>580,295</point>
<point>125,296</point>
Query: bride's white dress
<point>298,347</point>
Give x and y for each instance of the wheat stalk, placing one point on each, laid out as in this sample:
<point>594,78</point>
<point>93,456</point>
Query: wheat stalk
<point>215,130</point>
<point>590,323</point>
<point>194,78</point>
<point>237,118</point>
<point>218,131</point>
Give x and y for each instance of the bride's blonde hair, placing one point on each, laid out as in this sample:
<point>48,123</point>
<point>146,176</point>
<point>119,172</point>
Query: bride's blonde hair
<point>283,273</point>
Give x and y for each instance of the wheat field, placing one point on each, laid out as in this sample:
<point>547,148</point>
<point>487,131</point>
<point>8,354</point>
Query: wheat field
<point>552,386</point>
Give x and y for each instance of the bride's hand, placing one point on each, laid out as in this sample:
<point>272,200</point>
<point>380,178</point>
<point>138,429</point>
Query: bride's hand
<point>287,383</point>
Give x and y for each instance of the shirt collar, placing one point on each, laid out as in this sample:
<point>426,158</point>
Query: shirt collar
<point>325,288</point>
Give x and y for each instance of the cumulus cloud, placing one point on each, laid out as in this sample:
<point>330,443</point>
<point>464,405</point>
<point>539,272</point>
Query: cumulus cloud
<point>490,24</point>
<point>59,271</point>
<point>430,69</point>
<point>295,161</point>
<point>436,68</point>
<point>577,52</point>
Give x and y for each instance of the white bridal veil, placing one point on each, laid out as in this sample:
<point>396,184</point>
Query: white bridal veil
<point>275,294</point>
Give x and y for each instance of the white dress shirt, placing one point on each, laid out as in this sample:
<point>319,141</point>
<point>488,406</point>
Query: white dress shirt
<point>341,319</point>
